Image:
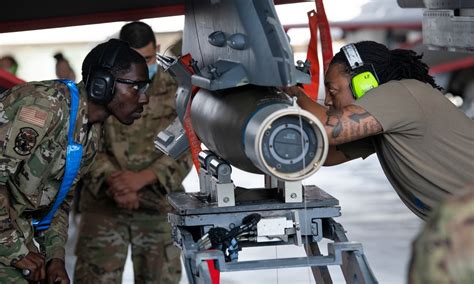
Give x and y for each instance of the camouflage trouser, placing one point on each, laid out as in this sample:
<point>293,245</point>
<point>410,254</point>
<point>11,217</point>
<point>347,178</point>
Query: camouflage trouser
<point>103,244</point>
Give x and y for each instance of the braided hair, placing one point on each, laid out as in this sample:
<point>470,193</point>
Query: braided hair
<point>390,65</point>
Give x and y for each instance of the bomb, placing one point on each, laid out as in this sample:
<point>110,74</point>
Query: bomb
<point>260,130</point>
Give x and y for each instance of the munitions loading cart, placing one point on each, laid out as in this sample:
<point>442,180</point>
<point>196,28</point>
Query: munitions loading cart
<point>212,225</point>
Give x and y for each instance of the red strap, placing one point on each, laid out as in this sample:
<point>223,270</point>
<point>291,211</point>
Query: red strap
<point>194,142</point>
<point>312,56</point>
<point>213,272</point>
<point>318,20</point>
<point>325,33</point>
<point>8,80</point>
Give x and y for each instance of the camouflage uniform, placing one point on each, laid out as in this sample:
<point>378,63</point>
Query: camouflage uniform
<point>106,230</point>
<point>34,122</point>
<point>444,251</point>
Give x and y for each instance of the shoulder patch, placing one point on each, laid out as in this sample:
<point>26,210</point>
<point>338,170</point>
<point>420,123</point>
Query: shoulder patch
<point>25,141</point>
<point>26,131</point>
<point>33,116</point>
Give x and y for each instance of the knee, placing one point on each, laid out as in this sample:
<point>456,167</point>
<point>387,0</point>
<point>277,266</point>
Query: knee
<point>86,272</point>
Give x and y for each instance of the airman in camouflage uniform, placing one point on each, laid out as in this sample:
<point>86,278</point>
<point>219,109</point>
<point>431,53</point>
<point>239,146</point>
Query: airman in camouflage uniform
<point>106,230</point>
<point>33,134</point>
<point>444,251</point>
<point>34,122</point>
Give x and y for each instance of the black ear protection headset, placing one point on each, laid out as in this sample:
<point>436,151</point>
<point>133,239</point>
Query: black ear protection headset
<point>363,75</point>
<point>100,83</point>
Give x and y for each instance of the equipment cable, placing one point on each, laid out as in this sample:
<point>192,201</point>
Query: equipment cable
<point>195,27</point>
<point>308,248</point>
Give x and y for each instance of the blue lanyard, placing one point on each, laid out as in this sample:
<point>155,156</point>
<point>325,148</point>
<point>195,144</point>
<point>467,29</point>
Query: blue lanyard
<point>73,161</point>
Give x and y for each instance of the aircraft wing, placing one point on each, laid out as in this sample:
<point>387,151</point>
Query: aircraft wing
<point>22,15</point>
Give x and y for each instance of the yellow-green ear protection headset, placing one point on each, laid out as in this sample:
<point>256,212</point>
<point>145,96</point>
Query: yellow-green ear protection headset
<point>364,77</point>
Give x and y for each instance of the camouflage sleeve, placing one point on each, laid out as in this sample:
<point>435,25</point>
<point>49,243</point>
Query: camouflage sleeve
<point>101,168</point>
<point>171,173</point>
<point>443,252</point>
<point>25,119</point>
<point>55,237</point>
<point>12,244</point>
<point>22,129</point>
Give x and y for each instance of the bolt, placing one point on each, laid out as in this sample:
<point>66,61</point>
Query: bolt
<point>213,71</point>
<point>293,195</point>
<point>226,199</point>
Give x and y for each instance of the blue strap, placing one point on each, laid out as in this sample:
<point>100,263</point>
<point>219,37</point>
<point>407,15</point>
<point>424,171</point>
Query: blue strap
<point>73,161</point>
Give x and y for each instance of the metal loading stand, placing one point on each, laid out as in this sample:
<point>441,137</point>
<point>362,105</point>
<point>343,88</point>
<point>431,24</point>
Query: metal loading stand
<point>210,235</point>
<point>235,58</point>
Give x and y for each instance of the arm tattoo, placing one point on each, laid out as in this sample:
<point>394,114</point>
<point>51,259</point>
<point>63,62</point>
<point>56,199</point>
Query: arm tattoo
<point>366,129</point>
<point>357,117</point>
<point>334,121</point>
<point>350,124</point>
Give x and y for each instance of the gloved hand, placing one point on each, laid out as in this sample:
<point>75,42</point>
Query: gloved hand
<point>56,272</point>
<point>32,266</point>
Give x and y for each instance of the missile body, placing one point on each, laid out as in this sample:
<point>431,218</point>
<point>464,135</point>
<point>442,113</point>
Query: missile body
<point>260,130</point>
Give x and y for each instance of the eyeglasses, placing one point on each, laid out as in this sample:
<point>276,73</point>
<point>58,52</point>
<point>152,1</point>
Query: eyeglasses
<point>139,86</point>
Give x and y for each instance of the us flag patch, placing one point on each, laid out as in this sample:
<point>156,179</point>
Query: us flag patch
<point>33,116</point>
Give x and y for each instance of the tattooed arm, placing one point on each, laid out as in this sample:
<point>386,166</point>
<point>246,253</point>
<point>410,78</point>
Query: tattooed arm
<point>349,124</point>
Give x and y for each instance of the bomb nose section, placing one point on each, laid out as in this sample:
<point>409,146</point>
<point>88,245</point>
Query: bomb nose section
<point>286,142</point>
